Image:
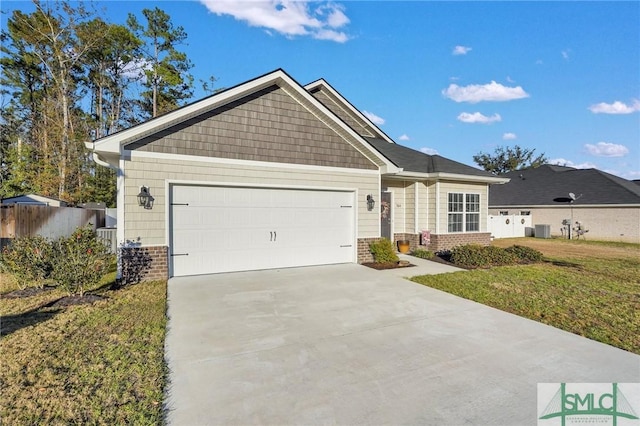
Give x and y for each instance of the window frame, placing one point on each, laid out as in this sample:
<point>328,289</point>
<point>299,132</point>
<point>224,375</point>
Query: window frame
<point>462,209</point>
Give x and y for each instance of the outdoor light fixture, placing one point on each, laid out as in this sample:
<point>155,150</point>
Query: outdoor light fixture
<point>371,203</point>
<point>144,198</point>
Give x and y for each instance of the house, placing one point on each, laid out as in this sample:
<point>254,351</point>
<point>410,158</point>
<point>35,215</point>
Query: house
<point>34,199</point>
<point>272,174</point>
<point>605,205</point>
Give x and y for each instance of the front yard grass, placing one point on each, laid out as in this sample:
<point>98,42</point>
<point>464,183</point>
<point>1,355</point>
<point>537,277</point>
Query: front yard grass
<point>87,364</point>
<point>588,288</point>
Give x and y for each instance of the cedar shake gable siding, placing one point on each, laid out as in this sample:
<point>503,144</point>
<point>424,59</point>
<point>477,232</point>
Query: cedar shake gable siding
<point>336,107</point>
<point>268,125</point>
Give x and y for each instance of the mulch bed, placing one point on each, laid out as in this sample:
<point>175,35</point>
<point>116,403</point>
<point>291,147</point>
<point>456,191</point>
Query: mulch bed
<point>390,265</point>
<point>26,292</point>
<point>62,302</point>
<point>76,300</point>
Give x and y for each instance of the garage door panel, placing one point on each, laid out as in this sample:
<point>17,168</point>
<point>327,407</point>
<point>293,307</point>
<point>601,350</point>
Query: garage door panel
<point>226,229</point>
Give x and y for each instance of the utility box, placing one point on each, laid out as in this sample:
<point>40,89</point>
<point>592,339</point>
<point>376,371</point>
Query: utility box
<point>543,231</point>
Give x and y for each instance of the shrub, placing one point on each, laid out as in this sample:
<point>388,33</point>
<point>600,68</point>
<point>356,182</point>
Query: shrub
<point>525,254</point>
<point>477,256</point>
<point>422,253</point>
<point>80,260</point>
<point>29,260</point>
<point>383,251</point>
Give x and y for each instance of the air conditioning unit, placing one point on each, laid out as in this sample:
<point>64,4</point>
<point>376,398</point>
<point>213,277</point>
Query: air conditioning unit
<point>543,231</point>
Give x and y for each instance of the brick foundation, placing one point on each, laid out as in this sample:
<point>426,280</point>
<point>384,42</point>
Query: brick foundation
<point>144,264</point>
<point>364,255</point>
<point>440,242</point>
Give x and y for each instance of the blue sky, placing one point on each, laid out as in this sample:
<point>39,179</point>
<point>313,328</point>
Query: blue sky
<point>453,78</point>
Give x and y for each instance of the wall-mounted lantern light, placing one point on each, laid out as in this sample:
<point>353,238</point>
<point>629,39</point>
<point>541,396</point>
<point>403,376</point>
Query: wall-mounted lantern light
<point>144,198</point>
<point>371,203</point>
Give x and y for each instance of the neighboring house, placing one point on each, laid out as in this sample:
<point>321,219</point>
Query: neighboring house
<point>605,205</point>
<point>272,174</point>
<point>33,199</point>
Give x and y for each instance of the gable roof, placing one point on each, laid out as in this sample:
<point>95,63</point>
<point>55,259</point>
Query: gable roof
<point>539,186</point>
<point>345,109</point>
<point>33,199</point>
<point>108,150</point>
<point>418,164</point>
<point>381,149</point>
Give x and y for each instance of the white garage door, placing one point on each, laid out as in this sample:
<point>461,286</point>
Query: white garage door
<point>224,229</point>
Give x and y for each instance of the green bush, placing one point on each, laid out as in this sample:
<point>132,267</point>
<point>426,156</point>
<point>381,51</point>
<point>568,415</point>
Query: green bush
<point>477,256</point>
<point>383,251</point>
<point>422,253</point>
<point>525,254</point>
<point>29,260</point>
<point>80,260</point>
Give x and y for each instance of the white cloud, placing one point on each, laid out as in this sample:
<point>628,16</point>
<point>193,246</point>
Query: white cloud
<point>378,121</point>
<point>477,117</point>
<point>429,151</point>
<point>615,108</point>
<point>461,50</point>
<point>509,136</point>
<point>607,149</point>
<point>569,163</point>
<point>632,175</point>
<point>288,17</point>
<point>404,137</point>
<point>475,93</point>
<point>565,53</point>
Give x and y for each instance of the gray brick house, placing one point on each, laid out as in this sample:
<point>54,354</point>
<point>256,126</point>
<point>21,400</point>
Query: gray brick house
<point>273,174</point>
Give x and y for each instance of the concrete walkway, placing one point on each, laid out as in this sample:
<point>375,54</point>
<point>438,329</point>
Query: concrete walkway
<point>346,344</point>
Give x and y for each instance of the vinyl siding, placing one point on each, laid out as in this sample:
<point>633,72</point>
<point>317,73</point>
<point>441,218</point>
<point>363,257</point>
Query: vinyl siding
<point>148,227</point>
<point>447,187</point>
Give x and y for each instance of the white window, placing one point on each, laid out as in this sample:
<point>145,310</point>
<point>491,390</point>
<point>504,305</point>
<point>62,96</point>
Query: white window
<point>463,212</point>
<point>472,212</point>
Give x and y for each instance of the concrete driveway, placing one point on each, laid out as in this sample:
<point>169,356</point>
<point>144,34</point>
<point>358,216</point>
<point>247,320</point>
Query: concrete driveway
<point>346,344</point>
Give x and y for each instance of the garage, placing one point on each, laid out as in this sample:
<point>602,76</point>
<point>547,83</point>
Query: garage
<point>225,229</point>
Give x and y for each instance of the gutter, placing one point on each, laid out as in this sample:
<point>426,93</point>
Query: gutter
<point>448,176</point>
<point>96,157</point>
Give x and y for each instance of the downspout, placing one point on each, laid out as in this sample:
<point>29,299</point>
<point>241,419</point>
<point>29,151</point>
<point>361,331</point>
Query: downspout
<point>119,201</point>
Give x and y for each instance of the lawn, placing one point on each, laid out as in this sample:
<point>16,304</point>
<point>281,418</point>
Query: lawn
<point>100,363</point>
<point>588,288</point>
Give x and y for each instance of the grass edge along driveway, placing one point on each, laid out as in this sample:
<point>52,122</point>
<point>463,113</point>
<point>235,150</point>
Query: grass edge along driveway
<point>588,288</point>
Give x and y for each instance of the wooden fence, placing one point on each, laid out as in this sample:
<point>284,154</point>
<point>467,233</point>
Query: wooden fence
<point>23,220</point>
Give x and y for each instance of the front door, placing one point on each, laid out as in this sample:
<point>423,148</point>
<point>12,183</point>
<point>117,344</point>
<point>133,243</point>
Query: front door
<point>385,215</point>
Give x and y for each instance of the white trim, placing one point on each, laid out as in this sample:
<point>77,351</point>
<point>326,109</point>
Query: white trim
<point>447,176</point>
<point>404,206</point>
<point>564,206</point>
<point>115,143</point>
<point>120,214</point>
<point>250,163</point>
<point>258,185</point>
<point>464,212</point>
<point>437,207</point>
<point>416,207</point>
<point>322,83</point>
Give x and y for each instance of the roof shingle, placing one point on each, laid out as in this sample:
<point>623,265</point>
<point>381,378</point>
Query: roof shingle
<point>539,186</point>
